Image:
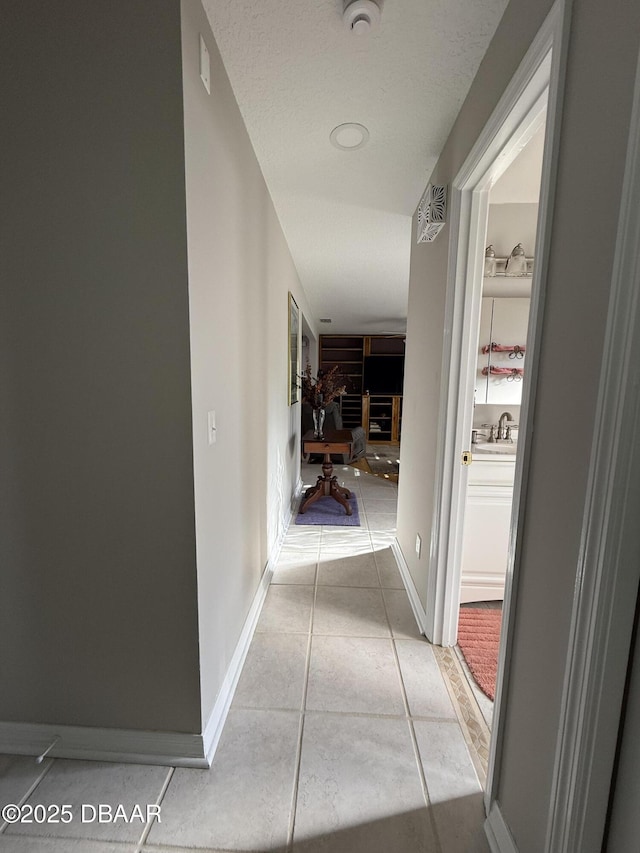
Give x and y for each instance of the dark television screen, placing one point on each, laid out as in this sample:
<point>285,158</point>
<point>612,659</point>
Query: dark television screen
<point>383,374</point>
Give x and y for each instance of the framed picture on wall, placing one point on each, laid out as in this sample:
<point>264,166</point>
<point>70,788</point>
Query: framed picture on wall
<point>294,350</point>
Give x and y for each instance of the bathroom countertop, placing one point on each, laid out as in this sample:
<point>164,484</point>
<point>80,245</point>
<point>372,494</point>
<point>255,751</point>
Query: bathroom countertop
<point>489,452</point>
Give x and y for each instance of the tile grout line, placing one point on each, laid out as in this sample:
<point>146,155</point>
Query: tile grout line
<point>159,799</point>
<point>323,634</point>
<point>412,735</point>
<point>424,718</point>
<point>347,586</point>
<point>172,848</point>
<point>303,712</point>
<point>406,717</point>
<point>375,562</point>
<point>414,740</point>
<point>30,790</point>
<point>296,779</point>
<point>125,846</point>
<point>425,787</point>
<point>325,541</point>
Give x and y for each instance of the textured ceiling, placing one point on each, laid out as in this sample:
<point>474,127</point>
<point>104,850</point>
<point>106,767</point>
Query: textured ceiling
<point>297,73</point>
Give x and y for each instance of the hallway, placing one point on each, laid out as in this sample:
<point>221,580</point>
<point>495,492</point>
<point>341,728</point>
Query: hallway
<point>340,733</point>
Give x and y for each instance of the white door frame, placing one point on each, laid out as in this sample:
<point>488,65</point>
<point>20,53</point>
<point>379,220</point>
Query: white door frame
<point>520,112</point>
<point>536,88</point>
<point>608,571</point>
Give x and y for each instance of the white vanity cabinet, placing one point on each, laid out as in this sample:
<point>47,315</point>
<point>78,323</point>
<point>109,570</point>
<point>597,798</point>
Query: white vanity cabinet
<point>487,524</point>
<point>503,321</point>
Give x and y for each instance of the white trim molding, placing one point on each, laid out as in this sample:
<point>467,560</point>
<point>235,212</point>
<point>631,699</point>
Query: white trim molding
<point>218,716</point>
<point>497,832</point>
<point>135,746</point>
<point>96,744</point>
<point>606,588</point>
<point>521,111</point>
<point>532,98</point>
<point>412,592</point>
<point>555,35</point>
<point>142,747</point>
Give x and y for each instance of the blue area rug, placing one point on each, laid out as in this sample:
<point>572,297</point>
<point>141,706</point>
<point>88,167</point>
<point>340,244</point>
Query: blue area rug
<point>328,511</point>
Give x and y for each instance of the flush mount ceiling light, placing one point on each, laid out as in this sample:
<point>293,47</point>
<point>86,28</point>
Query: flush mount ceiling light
<point>349,136</point>
<point>361,17</point>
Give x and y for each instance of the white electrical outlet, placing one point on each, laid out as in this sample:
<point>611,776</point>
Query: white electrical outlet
<point>205,66</point>
<point>418,544</point>
<point>211,427</point>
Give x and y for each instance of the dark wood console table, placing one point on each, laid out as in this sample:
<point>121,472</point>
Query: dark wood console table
<point>334,441</point>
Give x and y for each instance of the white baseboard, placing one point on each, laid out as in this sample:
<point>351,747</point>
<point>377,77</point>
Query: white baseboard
<point>218,716</point>
<point>85,742</point>
<point>217,719</point>
<point>497,832</point>
<point>142,747</point>
<point>412,592</point>
<point>486,587</point>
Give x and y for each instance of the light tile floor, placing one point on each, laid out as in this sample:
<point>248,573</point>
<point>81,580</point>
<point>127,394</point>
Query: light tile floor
<point>342,736</point>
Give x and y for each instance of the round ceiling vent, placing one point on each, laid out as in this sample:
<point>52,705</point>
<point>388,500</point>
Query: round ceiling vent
<point>361,17</point>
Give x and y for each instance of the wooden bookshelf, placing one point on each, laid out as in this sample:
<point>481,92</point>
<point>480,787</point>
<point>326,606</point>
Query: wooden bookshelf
<point>379,414</point>
<point>382,418</point>
<point>346,351</point>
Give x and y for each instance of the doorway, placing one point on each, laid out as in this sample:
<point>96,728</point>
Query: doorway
<point>501,361</point>
<point>529,104</point>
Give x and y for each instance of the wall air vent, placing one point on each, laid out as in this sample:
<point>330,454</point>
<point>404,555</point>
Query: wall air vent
<point>325,320</point>
<point>432,212</point>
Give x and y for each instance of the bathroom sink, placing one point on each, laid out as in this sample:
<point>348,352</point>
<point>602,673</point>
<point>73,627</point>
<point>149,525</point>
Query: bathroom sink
<point>503,449</point>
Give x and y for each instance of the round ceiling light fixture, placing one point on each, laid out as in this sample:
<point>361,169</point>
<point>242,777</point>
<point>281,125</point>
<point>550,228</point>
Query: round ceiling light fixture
<point>349,136</point>
<point>361,17</point>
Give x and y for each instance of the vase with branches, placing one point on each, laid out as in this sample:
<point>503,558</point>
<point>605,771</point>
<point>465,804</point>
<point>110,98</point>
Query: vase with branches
<point>321,390</point>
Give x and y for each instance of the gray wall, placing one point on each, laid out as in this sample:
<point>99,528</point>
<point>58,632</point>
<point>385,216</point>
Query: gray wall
<point>599,83</point>
<point>145,282</point>
<point>240,272</point>
<point>98,609</point>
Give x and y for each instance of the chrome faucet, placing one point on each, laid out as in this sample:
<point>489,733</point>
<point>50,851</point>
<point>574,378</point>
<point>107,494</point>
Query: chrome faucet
<point>502,424</point>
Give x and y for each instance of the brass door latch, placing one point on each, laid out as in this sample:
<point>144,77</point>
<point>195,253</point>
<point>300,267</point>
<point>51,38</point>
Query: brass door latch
<point>467,457</point>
